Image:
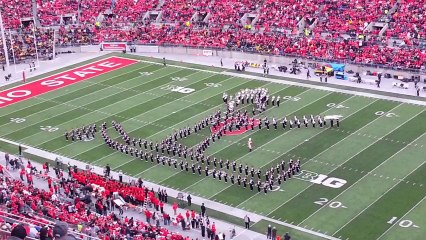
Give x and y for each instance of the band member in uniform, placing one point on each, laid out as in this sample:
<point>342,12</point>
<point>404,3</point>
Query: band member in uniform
<point>250,145</point>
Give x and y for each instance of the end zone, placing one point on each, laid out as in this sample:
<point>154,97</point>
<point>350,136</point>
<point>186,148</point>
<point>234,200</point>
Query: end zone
<point>63,79</point>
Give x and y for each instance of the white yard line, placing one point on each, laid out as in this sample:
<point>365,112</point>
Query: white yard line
<point>367,174</point>
<point>380,195</point>
<point>346,160</point>
<point>409,211</point>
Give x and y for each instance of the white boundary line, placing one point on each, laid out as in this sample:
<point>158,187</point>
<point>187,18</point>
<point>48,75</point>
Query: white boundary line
<point>274,80</point>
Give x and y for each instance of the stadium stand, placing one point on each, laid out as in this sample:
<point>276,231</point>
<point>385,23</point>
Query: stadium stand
<point>13,10</point>
<point>50,12</point>
<point>73,200</point>
<point>375,32</point>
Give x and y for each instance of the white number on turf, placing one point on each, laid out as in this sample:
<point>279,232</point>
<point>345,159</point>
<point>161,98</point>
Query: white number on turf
<point>213,85</point>
<point>386,114</point>
<point>179,79</point>
<point>145,73</point>
<point>334,204</point>
<point>334,105</point>
<point>17,120</point>
<point>49,128</point>
<point>403,223</point>
<point>290,98</point>
<point>174,88</point>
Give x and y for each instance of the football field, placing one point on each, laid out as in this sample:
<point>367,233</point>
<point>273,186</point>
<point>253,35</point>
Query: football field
<point>363,180</point>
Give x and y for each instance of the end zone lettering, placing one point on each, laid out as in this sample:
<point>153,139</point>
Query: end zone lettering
<point>44,85</point>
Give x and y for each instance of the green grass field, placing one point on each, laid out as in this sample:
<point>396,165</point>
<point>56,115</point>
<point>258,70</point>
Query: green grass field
<point>379,149</point>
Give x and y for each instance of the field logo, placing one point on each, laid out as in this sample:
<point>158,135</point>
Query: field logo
<point>320,179</point>
<point>54,82</point>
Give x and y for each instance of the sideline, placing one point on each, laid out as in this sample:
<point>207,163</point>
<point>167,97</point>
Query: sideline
<point>272,78</point>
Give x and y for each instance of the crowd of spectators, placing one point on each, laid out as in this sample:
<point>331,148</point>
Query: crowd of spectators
<point>13,10</point>
<point>351,17</point>
<point>92,205</point>
<point>286,14</point>
<point>225,29</point>
<point>132,10</point>
<point>409,20</point>
<point>50,11</point>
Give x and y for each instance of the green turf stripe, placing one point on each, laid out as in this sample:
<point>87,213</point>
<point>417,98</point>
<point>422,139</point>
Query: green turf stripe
<point>326,139</point>
<point>415,231</point>
<point>365,161</point>
<point>23,113</point>
<point>34,129</point>
<point>395,203</point>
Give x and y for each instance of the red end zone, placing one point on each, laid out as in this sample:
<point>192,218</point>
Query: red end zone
<point>60,80</point>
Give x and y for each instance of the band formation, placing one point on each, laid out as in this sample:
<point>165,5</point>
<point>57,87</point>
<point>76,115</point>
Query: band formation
<point>234,120</point>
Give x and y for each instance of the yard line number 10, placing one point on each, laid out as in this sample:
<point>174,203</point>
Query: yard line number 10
<point>403,223</point>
